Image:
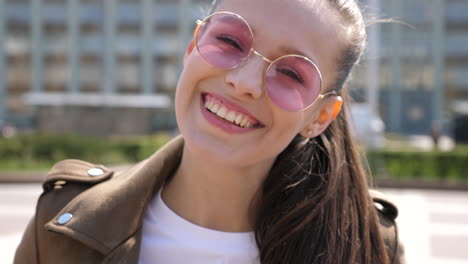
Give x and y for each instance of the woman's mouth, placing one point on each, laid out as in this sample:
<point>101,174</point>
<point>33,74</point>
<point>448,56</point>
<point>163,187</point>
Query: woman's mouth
<point>226,113</point>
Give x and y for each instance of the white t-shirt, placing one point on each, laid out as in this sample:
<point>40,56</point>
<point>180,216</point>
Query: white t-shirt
<point>170,239</point>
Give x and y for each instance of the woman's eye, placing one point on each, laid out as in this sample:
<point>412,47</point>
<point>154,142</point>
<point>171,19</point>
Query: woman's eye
<point>230,41</point>
<point>291,74</point>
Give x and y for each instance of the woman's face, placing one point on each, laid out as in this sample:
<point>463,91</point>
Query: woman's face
<point>279,28</point>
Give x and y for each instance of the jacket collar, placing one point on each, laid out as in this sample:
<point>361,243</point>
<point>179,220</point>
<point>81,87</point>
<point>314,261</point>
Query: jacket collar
<point>109,213</point>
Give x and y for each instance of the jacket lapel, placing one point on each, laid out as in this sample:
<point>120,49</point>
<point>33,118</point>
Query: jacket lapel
<point>109,214</point>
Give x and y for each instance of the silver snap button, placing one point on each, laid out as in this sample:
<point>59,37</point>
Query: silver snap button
<point>95,172</point>
<point>63,219</point>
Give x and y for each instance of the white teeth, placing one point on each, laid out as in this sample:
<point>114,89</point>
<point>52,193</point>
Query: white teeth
<point>238,119</point>
<point>210,105</point>
<point>222,112</point>
<point>231,116</point>
<point>243,122</point>
<point>215,108</point>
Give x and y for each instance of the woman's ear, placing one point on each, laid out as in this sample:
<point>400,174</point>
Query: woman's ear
<point>328,112</point>
<point>190,48</point>
<point>191,44</point>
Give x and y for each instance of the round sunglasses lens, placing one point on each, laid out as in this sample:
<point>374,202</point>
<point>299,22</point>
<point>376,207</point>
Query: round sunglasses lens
<point>293,83</point>
<point>224,40</point>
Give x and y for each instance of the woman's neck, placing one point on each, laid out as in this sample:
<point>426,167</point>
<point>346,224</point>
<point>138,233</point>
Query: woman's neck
<point>214,195</point>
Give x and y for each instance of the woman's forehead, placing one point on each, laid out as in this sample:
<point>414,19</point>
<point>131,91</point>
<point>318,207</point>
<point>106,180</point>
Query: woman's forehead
<point>272,9</point>
<point>308,23</point>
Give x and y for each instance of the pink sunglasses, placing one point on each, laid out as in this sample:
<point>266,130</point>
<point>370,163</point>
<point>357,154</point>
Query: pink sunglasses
<point>225,40</point>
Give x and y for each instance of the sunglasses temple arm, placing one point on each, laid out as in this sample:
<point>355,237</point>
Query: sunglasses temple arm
<point>321,96</point>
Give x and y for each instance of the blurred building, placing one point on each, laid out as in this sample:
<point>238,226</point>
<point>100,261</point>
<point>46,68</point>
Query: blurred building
<point>419,63</point>
<point>97,67</point>
<point>110,67</point>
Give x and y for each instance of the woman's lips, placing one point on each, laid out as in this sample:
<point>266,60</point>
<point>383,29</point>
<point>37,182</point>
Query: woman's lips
<point>226,115</point>
<point>229,112</point>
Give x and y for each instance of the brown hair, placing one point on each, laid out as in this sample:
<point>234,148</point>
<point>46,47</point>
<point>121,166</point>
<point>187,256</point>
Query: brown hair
<point>315,206</point>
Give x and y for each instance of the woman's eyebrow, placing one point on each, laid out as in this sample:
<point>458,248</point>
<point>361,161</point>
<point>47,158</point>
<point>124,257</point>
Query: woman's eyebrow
<point>290,50</point>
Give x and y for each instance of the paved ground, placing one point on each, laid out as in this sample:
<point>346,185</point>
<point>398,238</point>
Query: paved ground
<point>17,205</point>
<point>433,224</point>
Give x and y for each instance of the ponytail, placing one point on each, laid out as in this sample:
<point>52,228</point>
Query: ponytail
<point>315,206</point>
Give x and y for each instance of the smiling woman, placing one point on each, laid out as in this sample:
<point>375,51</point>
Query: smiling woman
<point>264,170</point>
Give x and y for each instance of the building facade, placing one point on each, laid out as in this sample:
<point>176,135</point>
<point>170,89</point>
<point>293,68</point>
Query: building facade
<point>110,67</point>
<point>421,58</point>
<point>99,67</point>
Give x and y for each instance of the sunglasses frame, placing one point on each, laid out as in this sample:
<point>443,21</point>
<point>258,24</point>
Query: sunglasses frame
<point>270,62</point>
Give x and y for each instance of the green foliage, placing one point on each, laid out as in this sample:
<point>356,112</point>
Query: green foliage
<point>139,148</point>
<point>40,151</point>
<point>427,166</point>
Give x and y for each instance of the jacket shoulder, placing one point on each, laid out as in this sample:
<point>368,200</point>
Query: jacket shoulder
<point>387,213</point>
<point>78,171</point>
<point>65,180</point>
<point>384,205</point>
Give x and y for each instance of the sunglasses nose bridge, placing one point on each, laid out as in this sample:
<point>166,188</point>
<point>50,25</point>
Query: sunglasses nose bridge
<point>250,59</point>
<point>248,77</point>
<point>261,56</point>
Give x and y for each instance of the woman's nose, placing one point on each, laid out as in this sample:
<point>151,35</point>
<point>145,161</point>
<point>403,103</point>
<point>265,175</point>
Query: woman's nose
<point>247,79</point>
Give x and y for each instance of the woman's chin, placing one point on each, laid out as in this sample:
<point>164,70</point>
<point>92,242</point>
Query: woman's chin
<point>211,149</point>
